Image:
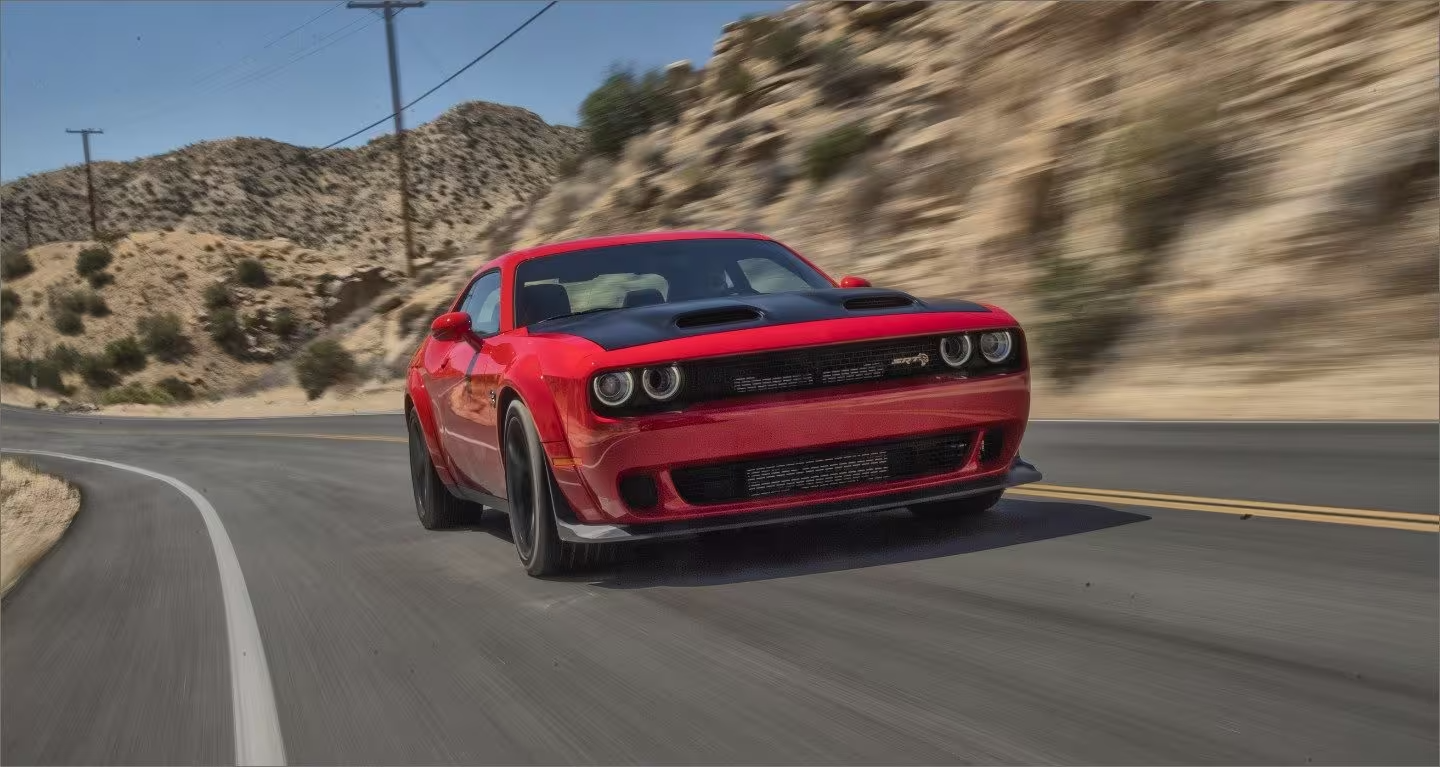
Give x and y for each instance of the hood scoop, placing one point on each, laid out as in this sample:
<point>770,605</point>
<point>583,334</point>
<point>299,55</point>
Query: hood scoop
<point>724,316</point>
<point>891,301</point>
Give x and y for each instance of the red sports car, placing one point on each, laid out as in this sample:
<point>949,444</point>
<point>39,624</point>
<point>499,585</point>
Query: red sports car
<point>664,384</point>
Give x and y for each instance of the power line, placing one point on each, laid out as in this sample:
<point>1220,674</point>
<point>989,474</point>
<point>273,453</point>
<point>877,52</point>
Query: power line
<point>265,74</point>
<point>312,20</point>
<point>447,80</point>
<point>210,76</point>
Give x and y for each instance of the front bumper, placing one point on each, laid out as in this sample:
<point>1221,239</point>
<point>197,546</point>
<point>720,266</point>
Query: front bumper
<point>1020,473</point>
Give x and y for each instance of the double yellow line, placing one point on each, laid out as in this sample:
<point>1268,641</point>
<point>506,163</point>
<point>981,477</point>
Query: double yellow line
<point>1396,520</point>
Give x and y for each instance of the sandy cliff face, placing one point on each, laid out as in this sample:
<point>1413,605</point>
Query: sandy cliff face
<point>1234,194</point>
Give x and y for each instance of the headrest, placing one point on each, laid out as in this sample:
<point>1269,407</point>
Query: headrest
<point>643,297</point>
<point>541,302</point>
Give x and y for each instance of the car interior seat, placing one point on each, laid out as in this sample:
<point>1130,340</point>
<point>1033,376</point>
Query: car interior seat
<point>542,302</point>
<point>643,297</point>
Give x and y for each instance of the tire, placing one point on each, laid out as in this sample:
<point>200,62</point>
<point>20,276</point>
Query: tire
<point>957,507</point>
<point>434,504</point>
<point>533,499</point>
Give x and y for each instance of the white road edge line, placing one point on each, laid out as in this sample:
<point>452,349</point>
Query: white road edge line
<point>257,722</point>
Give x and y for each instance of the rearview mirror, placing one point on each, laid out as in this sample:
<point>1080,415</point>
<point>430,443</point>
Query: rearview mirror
<point>851,281</point>
<point>450,326</point>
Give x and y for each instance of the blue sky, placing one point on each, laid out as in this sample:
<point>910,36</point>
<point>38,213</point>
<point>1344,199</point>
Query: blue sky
<point>159,75</point>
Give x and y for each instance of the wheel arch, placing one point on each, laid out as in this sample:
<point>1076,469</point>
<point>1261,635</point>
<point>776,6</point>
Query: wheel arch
<point>417,401</point>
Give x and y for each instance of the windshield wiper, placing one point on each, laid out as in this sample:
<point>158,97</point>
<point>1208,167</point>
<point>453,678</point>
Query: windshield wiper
<point>577,314</point>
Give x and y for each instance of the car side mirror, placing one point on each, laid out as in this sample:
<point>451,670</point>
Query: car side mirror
<point>450,326</point>
<point>851,281</point>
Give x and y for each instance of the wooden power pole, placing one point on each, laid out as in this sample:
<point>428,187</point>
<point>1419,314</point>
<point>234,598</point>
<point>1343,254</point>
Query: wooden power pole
<point>25,213</point>
<point>89,179</point>
<point>391,7</point>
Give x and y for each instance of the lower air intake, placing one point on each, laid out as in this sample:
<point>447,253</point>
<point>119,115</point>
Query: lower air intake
<point>822,470</point>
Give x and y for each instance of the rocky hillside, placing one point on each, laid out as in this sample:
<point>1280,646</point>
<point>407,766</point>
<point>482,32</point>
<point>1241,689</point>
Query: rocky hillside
<point>467,166</point>
<point>1225,193</point>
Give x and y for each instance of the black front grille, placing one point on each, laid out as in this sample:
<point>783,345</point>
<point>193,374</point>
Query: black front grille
<point>822,470</point>
<point>795,369</point>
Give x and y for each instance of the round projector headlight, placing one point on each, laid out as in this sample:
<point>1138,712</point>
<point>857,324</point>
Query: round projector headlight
<point>996,347</point>
<point>662,383</point>
<point>614,388</point>
<point>955,350</point>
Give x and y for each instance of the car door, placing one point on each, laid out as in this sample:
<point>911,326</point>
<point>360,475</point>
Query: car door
<point>461,385</point>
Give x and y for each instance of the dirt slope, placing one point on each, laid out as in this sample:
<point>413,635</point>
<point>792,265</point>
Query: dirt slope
<point>467,166</point>
<point>1222,196</point>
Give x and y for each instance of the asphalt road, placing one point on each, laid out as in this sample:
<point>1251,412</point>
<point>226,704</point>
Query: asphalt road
<point>1051,632</point>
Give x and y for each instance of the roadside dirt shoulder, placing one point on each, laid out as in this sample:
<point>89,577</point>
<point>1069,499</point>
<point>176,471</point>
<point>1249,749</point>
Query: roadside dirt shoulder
<point>35,510</point>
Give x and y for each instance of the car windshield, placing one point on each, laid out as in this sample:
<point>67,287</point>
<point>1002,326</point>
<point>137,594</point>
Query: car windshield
<point>639,274</point>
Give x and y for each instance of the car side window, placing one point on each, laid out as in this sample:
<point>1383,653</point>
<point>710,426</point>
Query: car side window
<point>482,303</point>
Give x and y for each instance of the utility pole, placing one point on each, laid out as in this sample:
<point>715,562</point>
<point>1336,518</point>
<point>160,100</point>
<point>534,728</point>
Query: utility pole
<point>25,214</point>
<point>391,7</point>
<point>89,178</point>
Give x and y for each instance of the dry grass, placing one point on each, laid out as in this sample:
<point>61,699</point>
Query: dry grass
<point>35,510</point>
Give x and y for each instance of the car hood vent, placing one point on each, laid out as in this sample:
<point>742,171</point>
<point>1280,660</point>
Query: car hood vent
<point>891,301</point>
<point>723,316</point>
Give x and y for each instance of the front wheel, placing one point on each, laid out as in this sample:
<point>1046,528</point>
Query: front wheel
<point>532,504</point>
<point>958,507</point>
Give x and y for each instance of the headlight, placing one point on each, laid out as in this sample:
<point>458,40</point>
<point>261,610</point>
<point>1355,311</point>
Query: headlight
<point>955,350</point>
<point>662,383</point>
<point>996,347</point>
<point>614,388</point>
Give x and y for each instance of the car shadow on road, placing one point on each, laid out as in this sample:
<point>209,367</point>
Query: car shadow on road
<point>844,543</point>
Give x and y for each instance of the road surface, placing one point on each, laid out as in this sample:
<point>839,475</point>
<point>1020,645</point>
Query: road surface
<point>1055,631</point>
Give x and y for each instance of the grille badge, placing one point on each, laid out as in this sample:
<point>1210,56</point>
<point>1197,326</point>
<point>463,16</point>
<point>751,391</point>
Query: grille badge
<point>921,359</point>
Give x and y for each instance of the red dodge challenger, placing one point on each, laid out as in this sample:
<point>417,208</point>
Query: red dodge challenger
<point>664,384</point>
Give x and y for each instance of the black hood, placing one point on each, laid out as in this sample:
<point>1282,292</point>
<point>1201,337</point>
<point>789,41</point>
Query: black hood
<point>640,325</point>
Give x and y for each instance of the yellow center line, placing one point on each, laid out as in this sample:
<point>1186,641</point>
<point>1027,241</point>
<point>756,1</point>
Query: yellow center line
<point>1247,505</point>
<point>1396,520</point>
<point>1256,511</point>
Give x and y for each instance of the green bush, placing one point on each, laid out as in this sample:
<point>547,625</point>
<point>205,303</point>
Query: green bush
<point>99,280</point>
<point>218,296</point>
<point>251,273</point>
<point>781,44</point>
<point>69,322</point>
<point>125,355</point>
<point>409,315</point>
<point>283,323</point>
<point>70,300</point>
<point>569,166</point>
<point>226,332</point>
<point>65,357</point>
<point>19,370</point>
<point>321,365</point>
<point>831,151</point>
<point>95,304</point>
<point>178,390</point>
<point>137,393</point>
<point>92,260</point>
<point>95,370</point>
<point>734,79</point>
<point>15,264</point>
<point>163,335</point>
<point>624,106</point>
<point>9,304</point>
<point>841,77</point>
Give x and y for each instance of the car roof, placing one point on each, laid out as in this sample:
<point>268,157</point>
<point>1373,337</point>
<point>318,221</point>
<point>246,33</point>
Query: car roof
<point>550,249</point>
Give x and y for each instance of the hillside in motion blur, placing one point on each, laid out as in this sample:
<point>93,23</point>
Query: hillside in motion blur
<point>1198,209</point>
